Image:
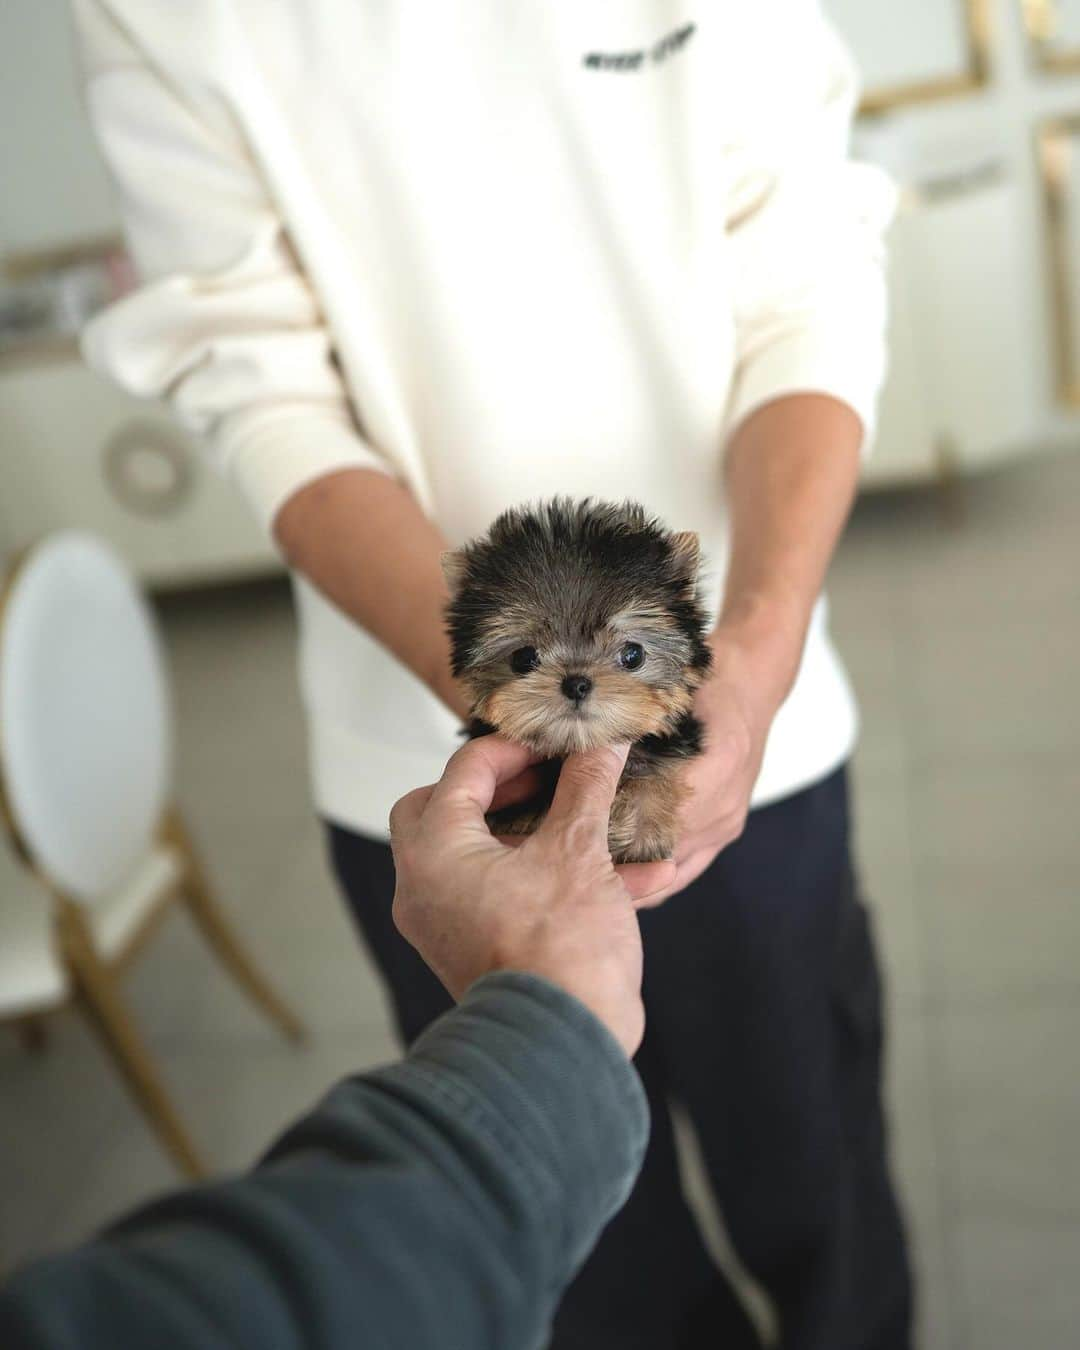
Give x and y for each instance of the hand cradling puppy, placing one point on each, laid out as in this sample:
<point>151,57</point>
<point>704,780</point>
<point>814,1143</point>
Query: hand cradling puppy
<point>575,625</point>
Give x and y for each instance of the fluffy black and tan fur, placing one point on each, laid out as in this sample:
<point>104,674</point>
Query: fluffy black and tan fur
<point>575,625</point>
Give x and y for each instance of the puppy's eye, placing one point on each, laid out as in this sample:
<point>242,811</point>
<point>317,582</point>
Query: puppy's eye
<point>524,660</point>
<point>632,656</point>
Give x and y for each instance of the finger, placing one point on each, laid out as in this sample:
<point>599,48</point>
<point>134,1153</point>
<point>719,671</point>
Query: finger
<point>644,880</point>
<point>685,873</point>
<point>516,790</point>
<point>406,812</point>
<point>585,791</point>
<point>717,836</point>
<point>473,774</point>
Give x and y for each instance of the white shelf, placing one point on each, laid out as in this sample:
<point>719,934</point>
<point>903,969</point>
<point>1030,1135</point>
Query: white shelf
<point>59,420</point>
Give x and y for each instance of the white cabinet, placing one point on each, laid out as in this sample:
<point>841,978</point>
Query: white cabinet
<point>905,448</point>
<point>963,257</point>
<point>960,391</point>
<point>78,452</point>
<point>974,107</point>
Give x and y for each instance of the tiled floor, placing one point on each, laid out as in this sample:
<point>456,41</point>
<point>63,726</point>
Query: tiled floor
<point>963,638</point>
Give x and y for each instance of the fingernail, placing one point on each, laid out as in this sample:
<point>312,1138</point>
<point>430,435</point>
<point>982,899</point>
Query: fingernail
<point>658,890</point>
<point>649,901</point>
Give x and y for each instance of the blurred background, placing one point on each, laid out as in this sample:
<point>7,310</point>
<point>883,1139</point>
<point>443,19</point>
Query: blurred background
<point>956,601</point>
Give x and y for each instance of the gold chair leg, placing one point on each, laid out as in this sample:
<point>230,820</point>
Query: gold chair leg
<point>206,912</point>
<point>96,992</point>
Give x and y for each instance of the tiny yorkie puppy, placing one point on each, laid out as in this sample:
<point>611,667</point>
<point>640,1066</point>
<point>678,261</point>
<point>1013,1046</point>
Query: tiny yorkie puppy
<point>579,624</point>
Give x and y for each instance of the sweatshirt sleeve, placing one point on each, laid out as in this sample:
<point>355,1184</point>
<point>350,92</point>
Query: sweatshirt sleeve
<point>444,1202</point>
<point>806,227</point>
<point>224,325</point>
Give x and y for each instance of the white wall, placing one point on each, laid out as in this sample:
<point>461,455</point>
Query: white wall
<point>894,39</point>
<point>57,420</point>
<point>53,188</point>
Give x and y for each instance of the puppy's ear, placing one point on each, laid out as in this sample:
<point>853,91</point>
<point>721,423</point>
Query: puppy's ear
<point>453,569</point>
<point>686,552</point>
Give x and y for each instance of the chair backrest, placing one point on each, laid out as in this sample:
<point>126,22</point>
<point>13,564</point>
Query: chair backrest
<point>85,726</point>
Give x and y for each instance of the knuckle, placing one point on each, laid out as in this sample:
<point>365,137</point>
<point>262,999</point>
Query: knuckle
<point>481,750</point>
<point>732,747</point>
<point>594,774</point>
<point>401,911</point>
<point>612,760</point>
<point>470,753</point>
<point>406,812</point>
<point>411,864</point>
<point>397,818</point>
<point>461,767</point>
<point>404,874</point>
<point>578,835</point>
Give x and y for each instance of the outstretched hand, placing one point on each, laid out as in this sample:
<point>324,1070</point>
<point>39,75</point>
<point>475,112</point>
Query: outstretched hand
<point>556,905</point>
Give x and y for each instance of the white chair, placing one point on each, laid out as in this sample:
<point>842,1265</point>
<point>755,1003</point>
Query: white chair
<point>85,760</point>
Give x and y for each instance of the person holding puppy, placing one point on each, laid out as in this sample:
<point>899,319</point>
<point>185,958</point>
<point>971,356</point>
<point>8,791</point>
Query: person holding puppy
<point>405,267</point>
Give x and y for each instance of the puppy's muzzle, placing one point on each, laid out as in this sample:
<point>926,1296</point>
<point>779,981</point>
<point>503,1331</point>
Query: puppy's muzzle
<point>576,688</point>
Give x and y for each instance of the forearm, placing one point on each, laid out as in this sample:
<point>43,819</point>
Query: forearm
<point>442,1202</point>
<point>360,538</point>
<point>791,473</point>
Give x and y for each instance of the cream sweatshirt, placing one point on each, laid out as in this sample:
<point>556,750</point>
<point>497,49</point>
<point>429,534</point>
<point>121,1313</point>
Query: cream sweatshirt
<point>501,249</point>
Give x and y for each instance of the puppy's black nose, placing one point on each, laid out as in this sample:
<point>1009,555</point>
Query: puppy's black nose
<point>576,687</point>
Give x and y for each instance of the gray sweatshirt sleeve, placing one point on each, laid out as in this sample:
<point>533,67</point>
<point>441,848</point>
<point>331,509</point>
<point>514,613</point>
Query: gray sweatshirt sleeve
<point>445,1201</point>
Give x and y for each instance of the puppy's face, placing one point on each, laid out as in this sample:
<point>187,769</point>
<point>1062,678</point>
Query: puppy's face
<point>576,625</point>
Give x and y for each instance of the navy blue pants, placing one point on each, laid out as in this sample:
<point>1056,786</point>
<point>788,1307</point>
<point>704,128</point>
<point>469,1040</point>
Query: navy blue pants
<point>764,1021</point>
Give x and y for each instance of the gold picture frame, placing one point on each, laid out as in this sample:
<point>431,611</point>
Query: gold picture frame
<point>1041,21</point>
<point>47,345</point>
<point>973,77</point>
<point>1058,149</point>
<point>22,265</point>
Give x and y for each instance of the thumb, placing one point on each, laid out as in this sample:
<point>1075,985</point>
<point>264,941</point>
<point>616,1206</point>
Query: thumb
<point>586,789</point>
<point>647,883</point>
<point>473,775</point>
